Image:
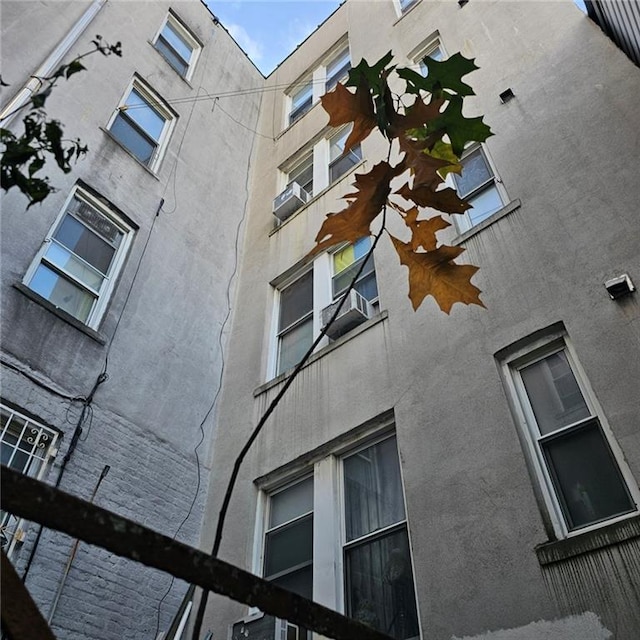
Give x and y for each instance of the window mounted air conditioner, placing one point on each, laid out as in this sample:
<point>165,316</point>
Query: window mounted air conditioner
<point>355,310</point>
<point>265,627</point>
<point>289,201</point>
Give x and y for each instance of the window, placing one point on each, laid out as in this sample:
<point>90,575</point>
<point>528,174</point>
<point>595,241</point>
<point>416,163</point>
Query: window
<point>370,554</point>
<point>337,70</point>
<point>301,301</point>
<point>303,174</point>
<point>295,324</point>
<point>25,446</point>
<point>582,480</point>
<point>478,184</point>
<point>339,164</point>
<point>77,265</point>
<point>177,45</point>
<point>435,52</point>
<point>346,262</point>
<point>304,93</point>
<point>405,5</point>
<point>142,124</point>
<point>301,101</point>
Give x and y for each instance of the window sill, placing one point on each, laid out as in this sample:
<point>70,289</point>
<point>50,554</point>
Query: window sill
<point>377,319</point>
<point>63,315</point>
<point>487,222</point>
<point>600,538</point>
<point>306,205</point>
<point>151,172</point>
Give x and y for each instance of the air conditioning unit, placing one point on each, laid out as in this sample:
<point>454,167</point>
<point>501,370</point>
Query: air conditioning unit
<point>264,627</point>
<point>355,310</point>
<point>289,201</point>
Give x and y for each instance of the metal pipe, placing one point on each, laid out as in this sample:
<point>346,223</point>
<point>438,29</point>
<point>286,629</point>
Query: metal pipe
<point>73,551</point>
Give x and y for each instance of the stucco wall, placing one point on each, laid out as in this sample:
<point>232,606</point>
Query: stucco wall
<point>473,513</point>
<point>163,327</point>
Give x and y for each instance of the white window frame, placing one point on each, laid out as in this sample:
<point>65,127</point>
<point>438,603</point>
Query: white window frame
<point>182,32</point>
<point>527,424</point>
<point>320,151</point>
<point>322,268</point>
<point>329,518</point>
<point>42,439</point>
<point>408,5</point>
<point>317,78</point>
<point>161,107</point>
<point>103,295</point>
<point>463,221</point>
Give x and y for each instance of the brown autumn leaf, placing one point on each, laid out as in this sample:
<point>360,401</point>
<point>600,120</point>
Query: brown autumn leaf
<point>353,223</point>
<point>423,232</point>
<point>424,167</point>
<point>344,107</point>
<point>445,200</point>
<point>416,116</point>
<point>434,273</point>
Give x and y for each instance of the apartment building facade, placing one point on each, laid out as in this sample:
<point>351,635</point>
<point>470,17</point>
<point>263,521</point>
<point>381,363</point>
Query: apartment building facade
<point>115,290</point>
<point>432,475</point>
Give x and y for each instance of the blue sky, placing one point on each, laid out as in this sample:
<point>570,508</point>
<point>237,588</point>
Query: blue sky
<point>269,30</point>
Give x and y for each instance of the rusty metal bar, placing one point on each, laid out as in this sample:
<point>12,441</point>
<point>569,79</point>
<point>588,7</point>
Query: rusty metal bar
<point>38,502</point>
<point>21,619</point>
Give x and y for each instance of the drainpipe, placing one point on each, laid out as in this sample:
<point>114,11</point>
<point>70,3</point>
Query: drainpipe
<point>50,64</point>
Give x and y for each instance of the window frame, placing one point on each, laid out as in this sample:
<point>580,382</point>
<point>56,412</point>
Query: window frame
<point>181,30</point>
<point>155,102</point>
<point>463,221</point>
<point>534,439</point>
<point>103,295</point>
<point>322,268</point>
<point>317,80</point>
<point>18,525</point>
<point>329,516</point>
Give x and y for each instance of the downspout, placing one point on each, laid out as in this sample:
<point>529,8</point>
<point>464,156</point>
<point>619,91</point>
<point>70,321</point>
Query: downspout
<point>51,63</point>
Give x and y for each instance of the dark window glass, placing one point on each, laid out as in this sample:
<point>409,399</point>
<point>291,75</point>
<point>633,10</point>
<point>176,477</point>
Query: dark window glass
<point>585,475</point>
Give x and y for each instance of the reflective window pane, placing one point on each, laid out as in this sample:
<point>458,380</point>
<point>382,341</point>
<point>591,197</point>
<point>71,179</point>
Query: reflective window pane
<point>64,259</point>
<point>132,139</point>
<point>62,293</point>
<point>484,204</point>
<point>144,115</point>
<point>85,243</point>
<point>379,585</point>
<point>553,392</point>
<point>303,175</point>
<point>176,42</point>
<point>373,489</point>
<point>291,502</point>
<point>337,69</point>
<point>296,300</point>
<point>586,476</point>
<point>294,344</point>
<point>475,172</point>
<point>171,56</point>
<point>289,546</point>
<point>300,582</point>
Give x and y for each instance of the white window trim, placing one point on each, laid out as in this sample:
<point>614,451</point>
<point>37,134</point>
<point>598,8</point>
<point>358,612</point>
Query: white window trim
<point>51,451</point>
<point>403,12</point>
<point>527,425</point>
<point>328,513</point>
<point>317,77</point>
<point>177,24</point>
<point>320,150</point>
<point>425,49</point>
<point>106,290</point>
<point>462,221</point>
<point>161,106</point>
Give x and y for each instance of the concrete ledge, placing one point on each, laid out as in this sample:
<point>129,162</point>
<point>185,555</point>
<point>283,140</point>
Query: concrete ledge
<point>63,315</point>
<point>605,536</point>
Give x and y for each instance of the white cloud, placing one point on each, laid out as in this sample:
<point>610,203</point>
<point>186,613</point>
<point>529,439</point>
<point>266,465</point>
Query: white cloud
<point>252,47</point>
